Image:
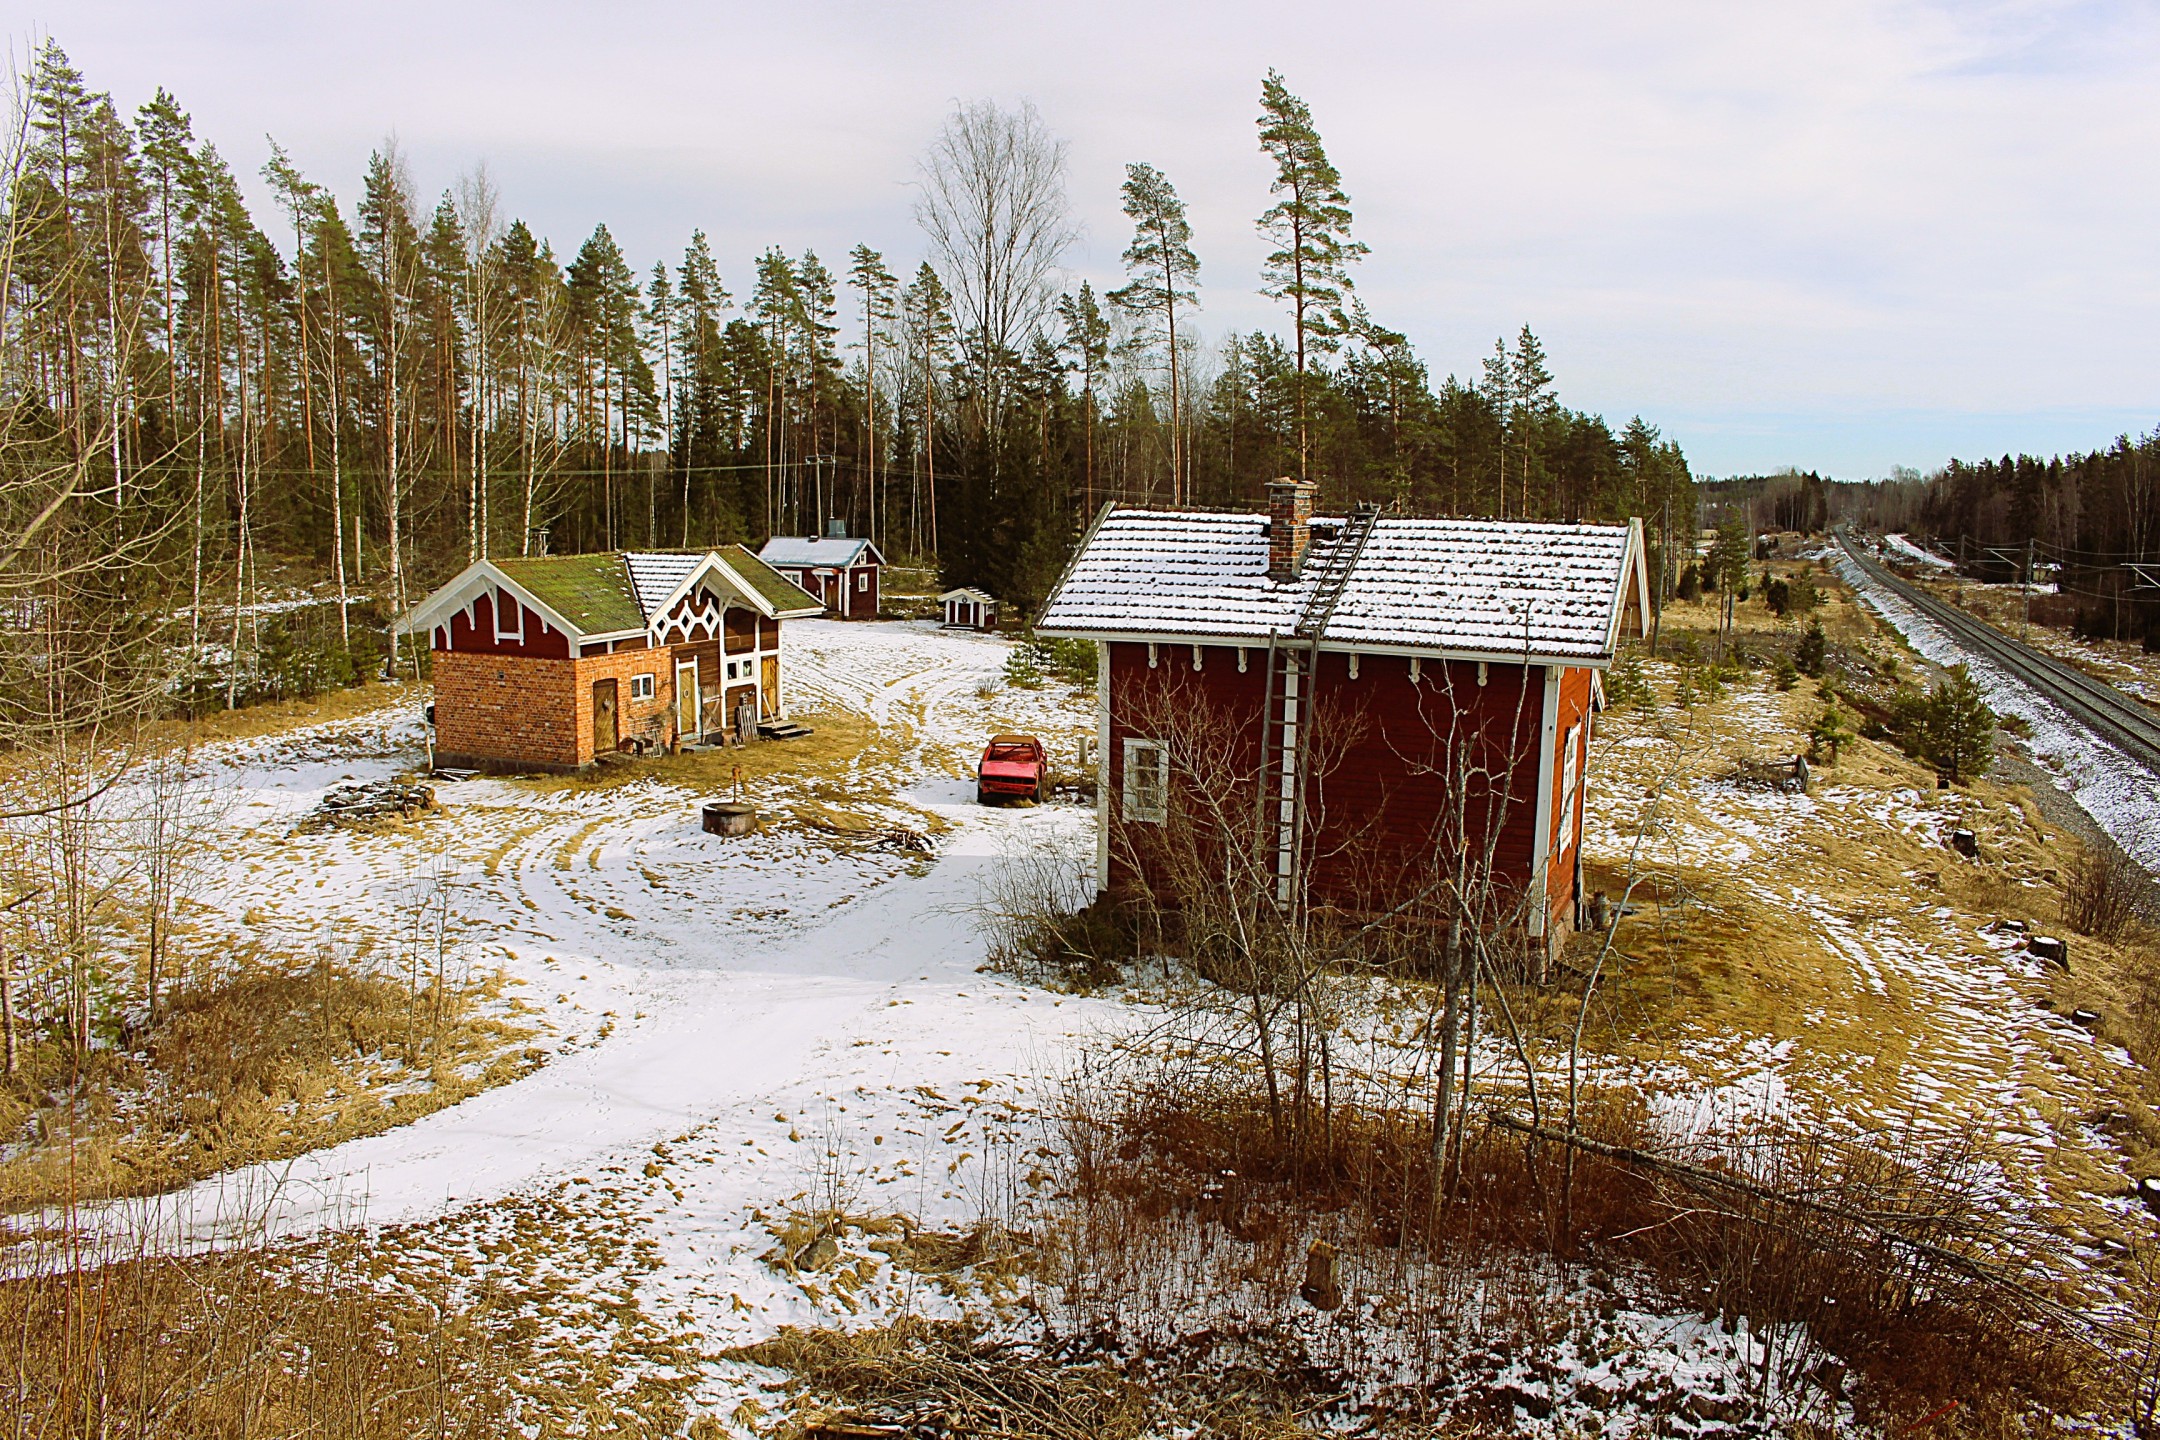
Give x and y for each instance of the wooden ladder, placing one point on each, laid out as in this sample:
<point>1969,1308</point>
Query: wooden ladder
<point>1293,662</point>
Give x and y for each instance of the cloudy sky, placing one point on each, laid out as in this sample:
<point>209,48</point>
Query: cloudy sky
<point>1829,234</point>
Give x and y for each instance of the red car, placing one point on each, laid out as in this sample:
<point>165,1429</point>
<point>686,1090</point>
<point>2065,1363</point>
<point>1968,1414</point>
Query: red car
<point>1011,769</point>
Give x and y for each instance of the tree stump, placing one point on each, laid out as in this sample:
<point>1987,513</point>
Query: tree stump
<point>1323,1286</point>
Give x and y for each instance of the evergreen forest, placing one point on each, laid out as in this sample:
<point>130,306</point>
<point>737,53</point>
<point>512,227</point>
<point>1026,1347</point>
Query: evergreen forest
<point>363,394</point>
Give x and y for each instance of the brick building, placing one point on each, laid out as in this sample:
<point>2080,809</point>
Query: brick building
<point>546,662</point>
<point>1392,700</point>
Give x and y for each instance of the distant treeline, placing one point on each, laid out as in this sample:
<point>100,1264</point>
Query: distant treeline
<point>378,393</point>
<point>2087,521</point>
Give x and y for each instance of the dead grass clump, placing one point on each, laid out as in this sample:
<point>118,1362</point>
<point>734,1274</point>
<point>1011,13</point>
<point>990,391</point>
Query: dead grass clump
<point>150,1348</point>
<point>942,1378</point>
<point>1042,922</point>
<point>2101,888</point>
<point>266,1063</point>
<point>1885,1259</point>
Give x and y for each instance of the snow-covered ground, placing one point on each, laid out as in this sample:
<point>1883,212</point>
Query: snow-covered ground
<point>1901,548</point>
<point>2122,796</point>
<point>792,1021</point>
<point>698,987</point>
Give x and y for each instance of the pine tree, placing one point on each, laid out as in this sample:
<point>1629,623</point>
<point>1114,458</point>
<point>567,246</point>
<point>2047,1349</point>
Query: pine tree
<point>1164,272</point>
<point>1530,389</point>
<point>927,309</point>
<point>1309,225</point>
<point>1958,728</point>
<point>879,289</point>
<point>1087,342</point>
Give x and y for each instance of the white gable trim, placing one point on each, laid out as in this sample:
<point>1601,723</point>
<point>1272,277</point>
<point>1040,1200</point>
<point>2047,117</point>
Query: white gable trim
<point>469,585</point>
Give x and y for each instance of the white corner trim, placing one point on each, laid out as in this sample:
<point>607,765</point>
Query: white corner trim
<point>1541,838</point>
<point>1102,767</point>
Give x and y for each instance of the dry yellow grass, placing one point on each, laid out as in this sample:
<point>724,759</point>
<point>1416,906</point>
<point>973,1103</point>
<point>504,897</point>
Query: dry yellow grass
<point>1837,944</point>
<point>280,716</point>
<point>279,1058</point>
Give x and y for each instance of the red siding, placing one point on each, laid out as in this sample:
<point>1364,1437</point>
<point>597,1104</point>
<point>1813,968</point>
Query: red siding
<point>476,636</point>
<point>1566,834</point>
<point>1402,774</point>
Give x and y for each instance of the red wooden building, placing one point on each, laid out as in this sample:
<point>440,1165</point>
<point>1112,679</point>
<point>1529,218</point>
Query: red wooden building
<point>840,571</point>
<point>547,662</point>
<point>1393,698</point>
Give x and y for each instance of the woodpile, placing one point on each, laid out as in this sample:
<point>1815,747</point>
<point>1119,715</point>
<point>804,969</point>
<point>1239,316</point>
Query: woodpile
<point>373,800</point>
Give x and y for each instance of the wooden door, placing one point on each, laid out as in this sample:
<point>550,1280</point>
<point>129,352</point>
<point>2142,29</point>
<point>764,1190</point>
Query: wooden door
<point>769,682</point>
<point>686,701</point>
<point>605,734</point>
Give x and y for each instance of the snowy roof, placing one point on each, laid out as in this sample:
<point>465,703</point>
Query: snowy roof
<point>968,595</point>
<point>821,551</point>
<point>613,593</point>
<point>654,577</point>
<point>1461,587</point>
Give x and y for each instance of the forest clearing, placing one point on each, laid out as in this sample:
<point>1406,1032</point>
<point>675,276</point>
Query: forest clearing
<point>509,924</point>
<point>724,1041</point>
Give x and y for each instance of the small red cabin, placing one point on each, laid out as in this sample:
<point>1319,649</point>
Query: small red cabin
<point>1395,700</point>
<point>547,662</point>
<point>841,572</point>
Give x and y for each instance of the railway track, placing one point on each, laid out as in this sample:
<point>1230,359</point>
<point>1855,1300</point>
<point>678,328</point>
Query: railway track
<point>2122,721</point>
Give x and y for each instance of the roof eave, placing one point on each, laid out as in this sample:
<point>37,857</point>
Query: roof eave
<point>1598,661</point>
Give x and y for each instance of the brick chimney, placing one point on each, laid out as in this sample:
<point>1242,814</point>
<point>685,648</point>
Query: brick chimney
<point>1289,504</point>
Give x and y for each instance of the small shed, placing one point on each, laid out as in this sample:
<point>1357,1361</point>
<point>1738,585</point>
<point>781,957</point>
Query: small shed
<point>842,571</point>
<point>969,609</point>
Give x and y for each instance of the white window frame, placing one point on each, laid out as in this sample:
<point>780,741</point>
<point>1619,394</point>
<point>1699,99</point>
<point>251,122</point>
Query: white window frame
<point>1570,779</point>
<point>1146,757</point>
<point>862,582</point>
<point>643,687</point>
<point>501,598</point>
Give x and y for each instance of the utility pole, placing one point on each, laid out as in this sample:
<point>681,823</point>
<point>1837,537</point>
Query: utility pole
<point>2028,585</point>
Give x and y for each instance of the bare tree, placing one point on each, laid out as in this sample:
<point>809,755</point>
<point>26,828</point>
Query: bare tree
<point>993,204</point>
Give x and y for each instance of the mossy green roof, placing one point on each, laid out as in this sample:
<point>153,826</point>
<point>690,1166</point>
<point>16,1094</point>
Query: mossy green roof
<point>592,592</point>
<point>783,594</point>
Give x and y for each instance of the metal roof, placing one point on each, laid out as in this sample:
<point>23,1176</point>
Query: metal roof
<point>821,551</point>
<point>1506,589</point>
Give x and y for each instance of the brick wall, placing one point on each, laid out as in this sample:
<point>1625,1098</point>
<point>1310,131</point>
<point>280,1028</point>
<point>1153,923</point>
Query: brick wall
<point>651,720</point>
<point>506,710</point>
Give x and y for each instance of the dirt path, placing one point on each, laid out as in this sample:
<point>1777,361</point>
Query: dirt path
<point>698,985</point>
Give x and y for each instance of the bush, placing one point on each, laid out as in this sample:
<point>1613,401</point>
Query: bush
<point>1626,687</point>
<point>2100,891</point>
<point>1784,673</point>
<point>1830,733</point>
<point>1813,649</point>
<point>1777,595</point>
<point>1038,657</point>
<point>1691,585</point>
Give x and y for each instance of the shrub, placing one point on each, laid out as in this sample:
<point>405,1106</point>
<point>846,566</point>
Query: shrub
<point>1072,661</point>
<point>1784,673</point>
<point>1813,649</point>
<point>1830,733</point>
<point>1691,585</point>
<point>1626,687</point>
<point>2100,891</point>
